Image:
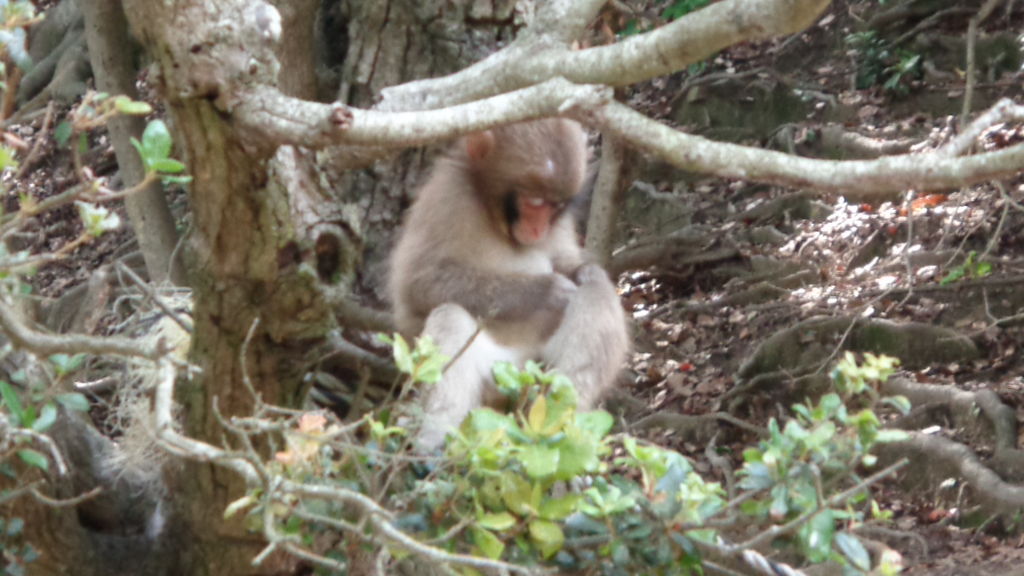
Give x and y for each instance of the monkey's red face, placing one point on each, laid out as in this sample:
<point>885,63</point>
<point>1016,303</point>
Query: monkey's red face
<point>533,218</point>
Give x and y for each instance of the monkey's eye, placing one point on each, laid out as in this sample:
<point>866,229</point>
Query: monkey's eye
<point>535,202</point>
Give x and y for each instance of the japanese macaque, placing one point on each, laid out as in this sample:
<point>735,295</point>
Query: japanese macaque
<point>490,267</point>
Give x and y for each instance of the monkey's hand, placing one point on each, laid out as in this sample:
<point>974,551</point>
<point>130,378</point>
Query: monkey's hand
<point>560,291</point>
<point>592,275</point>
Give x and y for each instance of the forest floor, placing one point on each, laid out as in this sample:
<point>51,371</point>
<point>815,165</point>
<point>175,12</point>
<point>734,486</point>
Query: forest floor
<point>953,258</point>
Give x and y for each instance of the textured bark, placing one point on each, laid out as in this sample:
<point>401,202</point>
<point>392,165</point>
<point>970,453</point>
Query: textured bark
<point>296,50</point>
<point>256,253</point>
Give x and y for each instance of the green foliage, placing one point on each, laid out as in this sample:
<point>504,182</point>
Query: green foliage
<point>541,484</point>
<point>423,364</point>
<point>679,8</point>
<point>878,64</point>
<point>155,151</point>
<point>15,17</point>
<point>970,268</point>
<point>16,552</point>
<point>671,10</point>
<point>824,445</point>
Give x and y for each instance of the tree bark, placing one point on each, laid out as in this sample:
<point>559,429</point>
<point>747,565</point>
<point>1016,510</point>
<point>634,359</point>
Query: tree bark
<point>106,32</point>
<point>256,259</point>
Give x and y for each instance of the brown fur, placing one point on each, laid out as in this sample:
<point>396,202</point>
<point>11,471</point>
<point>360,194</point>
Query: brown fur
<point>457,268</point>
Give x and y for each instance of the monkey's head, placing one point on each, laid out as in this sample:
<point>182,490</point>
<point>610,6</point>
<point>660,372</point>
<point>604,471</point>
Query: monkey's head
<point>526,174</point>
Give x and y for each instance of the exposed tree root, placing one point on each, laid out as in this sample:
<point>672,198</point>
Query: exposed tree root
<point>814,341</point>
<point>796,206</point>
<point>935,457</point>
<point>998,421</point>
<point>698,428</point>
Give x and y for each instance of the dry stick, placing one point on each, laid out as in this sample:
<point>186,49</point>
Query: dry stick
<point>151,294</point>
<point>187,447</point>
<point>65,502</point>
<point>48,344</point>
<point>972,39</point>
<point>37,145</point>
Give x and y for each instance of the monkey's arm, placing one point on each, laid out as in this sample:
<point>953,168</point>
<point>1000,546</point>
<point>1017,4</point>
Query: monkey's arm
<point>486,294</point>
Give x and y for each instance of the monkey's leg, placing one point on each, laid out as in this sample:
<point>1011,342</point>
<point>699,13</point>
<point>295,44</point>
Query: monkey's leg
<point>467,383</point>
<point>590,344</point>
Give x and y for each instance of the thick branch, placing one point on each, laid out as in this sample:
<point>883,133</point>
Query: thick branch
<point>279,119</point>
<point>48,344</point>
<point>532,58</point>
<point>928,171</point>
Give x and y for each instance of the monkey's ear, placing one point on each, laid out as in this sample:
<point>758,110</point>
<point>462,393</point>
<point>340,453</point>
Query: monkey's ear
<point>479,145</point>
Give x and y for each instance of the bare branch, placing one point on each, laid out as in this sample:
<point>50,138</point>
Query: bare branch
<point>1005,110</point>
<point>533,58</point>
<point>48,344</point>
<point>863,178</point>
<point>272,116</point>
<point>380,517</point>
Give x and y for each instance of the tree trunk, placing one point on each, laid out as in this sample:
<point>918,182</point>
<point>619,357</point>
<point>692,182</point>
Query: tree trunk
<point>254,266</point>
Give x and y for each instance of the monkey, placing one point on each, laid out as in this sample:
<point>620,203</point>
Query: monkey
<point>488,264</point>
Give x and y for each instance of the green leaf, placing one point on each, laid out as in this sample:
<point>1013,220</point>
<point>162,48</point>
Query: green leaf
<point>499,521</point>
<point>7,160</point>
<point>854,551</point>
<point>10,398</point>
<point>65,363</point>
<point>547,536</point>
<point>175,179</point>
<point>74,401</point>
<point>538,415</point>
<point>580,522</point>
<point>539,461</point>
<point>506,377</point>
<point>517,494</point>
<point>62,133</point>
<point>487,420</point>
<point>156,141</point>
<point>126,105</point>
<point>900,403</point>
<point>578,453</point>
<point>488,544</point>
<point>33,458</point>
<point>816,536</point>
<point>402,354</point>
<point>167,166</point>
<point>597,423</point>
<point>47,418</point>
<point>559,508</point>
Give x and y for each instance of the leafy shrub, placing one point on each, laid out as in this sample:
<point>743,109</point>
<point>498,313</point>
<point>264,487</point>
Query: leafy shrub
<point>877,63</point>
<point>543,484</point>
